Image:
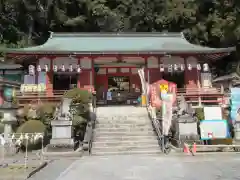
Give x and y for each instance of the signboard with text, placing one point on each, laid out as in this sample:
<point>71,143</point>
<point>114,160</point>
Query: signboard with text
<point>159,88</point>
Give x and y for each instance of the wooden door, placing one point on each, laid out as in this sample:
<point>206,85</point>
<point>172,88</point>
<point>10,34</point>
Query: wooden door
<point>101,85</point>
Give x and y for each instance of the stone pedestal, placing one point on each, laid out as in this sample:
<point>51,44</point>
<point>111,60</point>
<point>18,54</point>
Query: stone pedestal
<point>61,136</point>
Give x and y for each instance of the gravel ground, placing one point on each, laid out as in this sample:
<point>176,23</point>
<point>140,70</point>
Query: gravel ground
<point>207,167</point>
<point>13,167</point>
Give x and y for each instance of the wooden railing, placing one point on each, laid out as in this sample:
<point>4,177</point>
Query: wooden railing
<point>37,97</point>
<point>200,91</point>
<point>202,96</point>
<point>193,95</point>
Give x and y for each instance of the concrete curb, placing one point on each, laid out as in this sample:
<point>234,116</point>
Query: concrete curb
<point>41,166</point>
<point>77,153</point>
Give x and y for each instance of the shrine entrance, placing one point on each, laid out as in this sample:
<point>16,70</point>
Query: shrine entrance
<point>64,81</point>
<point>177,77</point>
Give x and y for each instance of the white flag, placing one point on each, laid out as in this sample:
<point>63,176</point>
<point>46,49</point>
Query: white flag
<point>2,140</point>
<point>26,136</point>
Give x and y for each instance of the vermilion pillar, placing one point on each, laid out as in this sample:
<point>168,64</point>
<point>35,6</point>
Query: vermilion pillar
<point>1,96</point>
<point>190,76</point>
<point>49,80</point>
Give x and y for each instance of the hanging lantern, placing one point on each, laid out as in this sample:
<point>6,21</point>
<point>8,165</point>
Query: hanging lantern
<point>70,67</point>
<point>170,68</point>
<point>39,69</point>
<point>175,67</point>
<point>161,68</point>
<point>46,68</point>
<point>198,67</point>
<point>31,69</point>
<point>63,68</point>
<point>182,67</point>
<point>205,67</point>
<point>189,67</point>
<point>55,68</point>
<point>79,69</point>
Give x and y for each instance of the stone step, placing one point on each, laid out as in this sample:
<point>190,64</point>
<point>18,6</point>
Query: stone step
<point>129,133</point>
<point>124,138</point>
<point>122,125</point>
<point>124,122</point>
<point>123,115</point>
<point>123,129</point>
<point>149,152</point>
<point>125,143</point>
<point>120,148</point>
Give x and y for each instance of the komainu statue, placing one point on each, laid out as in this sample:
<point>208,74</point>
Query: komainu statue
<point>63,111</point>
<point>184,123</point>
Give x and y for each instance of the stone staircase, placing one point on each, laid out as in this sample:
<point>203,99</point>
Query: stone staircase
<point>124,130</point>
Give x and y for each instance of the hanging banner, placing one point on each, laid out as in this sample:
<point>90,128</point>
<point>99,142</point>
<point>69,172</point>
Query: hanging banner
<point>167,103</point>
<point>143,81</point>
<point>235,104</point>
<point>162,88</point>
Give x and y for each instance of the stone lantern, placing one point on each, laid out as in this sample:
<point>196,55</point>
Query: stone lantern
<point>9,118</point>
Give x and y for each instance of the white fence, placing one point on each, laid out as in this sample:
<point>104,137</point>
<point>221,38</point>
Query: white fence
<point>13,143</point>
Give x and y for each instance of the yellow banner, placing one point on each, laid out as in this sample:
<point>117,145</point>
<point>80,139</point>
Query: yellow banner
<point>164,87</point>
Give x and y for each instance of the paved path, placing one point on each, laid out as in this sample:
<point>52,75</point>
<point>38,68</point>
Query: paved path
<point>53,169</point>
<point>214,167</point>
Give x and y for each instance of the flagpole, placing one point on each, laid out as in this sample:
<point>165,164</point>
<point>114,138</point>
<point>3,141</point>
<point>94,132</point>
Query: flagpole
<point>3,148</point>
<point>26,152</point>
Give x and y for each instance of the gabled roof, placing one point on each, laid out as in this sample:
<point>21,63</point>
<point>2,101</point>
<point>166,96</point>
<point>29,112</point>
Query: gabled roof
<point>120,43</point>
<point>6,66</point>
<point>229,77</point>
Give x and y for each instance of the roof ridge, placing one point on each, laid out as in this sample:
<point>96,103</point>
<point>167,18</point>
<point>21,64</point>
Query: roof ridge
<point>113,34</point>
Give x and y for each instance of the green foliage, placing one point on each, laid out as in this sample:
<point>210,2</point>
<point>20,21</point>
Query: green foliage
<point>78,96</point>
<point>210,23</point>
<point>206,22</point>
<point>1,128</point>
<point>79,120</point>
<point>46,112</point>
<point>31,126</point>
<point>200,113</point>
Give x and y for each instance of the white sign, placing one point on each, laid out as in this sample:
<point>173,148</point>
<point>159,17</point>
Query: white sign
<point>212,113</point>
<point>109,96</point>
<point>215,129</point>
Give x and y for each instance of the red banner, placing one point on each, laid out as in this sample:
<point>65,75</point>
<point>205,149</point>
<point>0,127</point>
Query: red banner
<point>161,86</point>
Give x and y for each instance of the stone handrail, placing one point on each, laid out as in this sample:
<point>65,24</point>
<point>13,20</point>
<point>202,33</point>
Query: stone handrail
<point>88,137</point>
<point>155,122</point>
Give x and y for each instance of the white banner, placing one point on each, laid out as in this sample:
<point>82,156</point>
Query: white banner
<point>143,81</point>
<point>167,113</point>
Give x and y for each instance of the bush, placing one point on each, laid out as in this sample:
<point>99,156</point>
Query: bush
<point>78,95</point>
<point>200,114</point>
<point>46,112</point>
<point>1,128</point>
<point>79,120</point>
<point>32,126</point>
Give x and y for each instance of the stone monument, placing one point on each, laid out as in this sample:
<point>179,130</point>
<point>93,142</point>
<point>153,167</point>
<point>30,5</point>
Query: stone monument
<point>184,122</point>
<point>62,139</point>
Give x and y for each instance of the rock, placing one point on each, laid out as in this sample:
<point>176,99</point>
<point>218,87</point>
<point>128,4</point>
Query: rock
<point>4,165</point>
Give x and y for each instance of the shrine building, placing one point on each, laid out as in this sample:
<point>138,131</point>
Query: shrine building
<point>109,62</point>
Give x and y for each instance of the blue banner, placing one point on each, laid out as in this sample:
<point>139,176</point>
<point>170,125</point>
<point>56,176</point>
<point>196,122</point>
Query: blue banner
<point>235,104</point>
